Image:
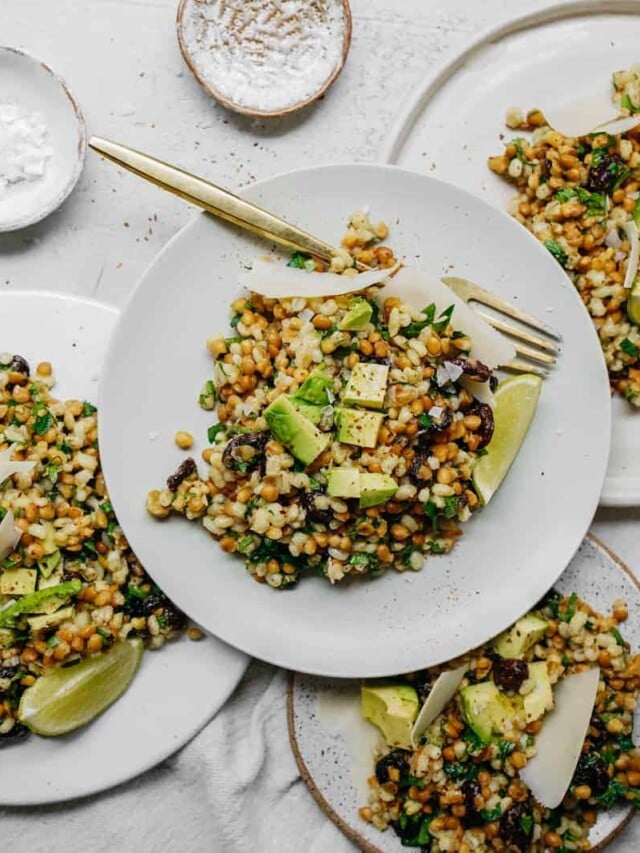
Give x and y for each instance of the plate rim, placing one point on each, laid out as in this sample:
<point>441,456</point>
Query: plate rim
<point>240,659</point>
<point>353,834</point>
<point>617,491</point>
<point>81,150</point>
<point>281,660</point>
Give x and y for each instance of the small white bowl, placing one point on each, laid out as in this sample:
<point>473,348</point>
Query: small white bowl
<point>32,85</point>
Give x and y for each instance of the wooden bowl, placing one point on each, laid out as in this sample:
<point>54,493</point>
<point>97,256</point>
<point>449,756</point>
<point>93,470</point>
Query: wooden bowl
<point>193,54</point>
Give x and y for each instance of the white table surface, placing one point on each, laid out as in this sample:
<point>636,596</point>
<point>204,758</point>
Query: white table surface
<point>121,60</point>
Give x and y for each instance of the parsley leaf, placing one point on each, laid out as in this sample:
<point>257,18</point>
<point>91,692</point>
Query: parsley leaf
<point>213,431</point>
<point>491,814</point>
<point>425,421</point>
<point>557,251</point>
<point>618,636</point>
<point>615,791</point>
<point>443,320</point>
<point>568,614</point>
<point>414,329</point>
<point>301,261</point>
<point>450,506</point>
<point>432,511</point>
<point>88,409</point>
<point>459,772</point>
<point>44,422</point>
<point>629,347</point>
<point>518,144</point>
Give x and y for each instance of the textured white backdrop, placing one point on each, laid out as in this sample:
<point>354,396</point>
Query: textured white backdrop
<point>235,788</point>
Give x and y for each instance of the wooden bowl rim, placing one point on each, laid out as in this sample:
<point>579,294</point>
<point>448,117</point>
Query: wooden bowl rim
<point>238,108</point>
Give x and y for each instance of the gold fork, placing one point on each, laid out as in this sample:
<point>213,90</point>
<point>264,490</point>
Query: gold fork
<point>233,208</point>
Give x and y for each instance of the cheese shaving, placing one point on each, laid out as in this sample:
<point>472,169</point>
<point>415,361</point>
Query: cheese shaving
<point>9,535</point>
<point>582,115</point>
<point>8,466</point>
<point>631,230</point>
<point>276,281</point>
<point>440,695</point>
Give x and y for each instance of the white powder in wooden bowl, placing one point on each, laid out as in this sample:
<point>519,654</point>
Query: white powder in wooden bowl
<point>264,55</point>
<point>24,150</point>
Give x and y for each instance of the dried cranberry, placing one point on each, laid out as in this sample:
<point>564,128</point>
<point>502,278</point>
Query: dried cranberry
<point>472,368</point>
<point>608,171</point>
<point>396,758</point>
<point>314,512</point>
<point>591,771</point>
<point>510,674</point>
<point>257,441</point>
<point>419,462</point>
<point>516,827</point>
<point>20,365</point>
<point>487,424</point>
<point>471,790</point>
<point>184,470</point>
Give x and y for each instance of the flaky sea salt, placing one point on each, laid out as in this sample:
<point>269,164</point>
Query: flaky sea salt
<point>266,55</point>
<point>24,149</point>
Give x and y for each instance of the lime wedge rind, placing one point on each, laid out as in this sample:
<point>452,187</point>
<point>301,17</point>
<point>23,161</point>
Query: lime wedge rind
<point>515,403</point>
<point>67,699</point>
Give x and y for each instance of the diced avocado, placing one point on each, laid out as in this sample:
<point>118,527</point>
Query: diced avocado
<point>393,709</point>
<point>376,489</point>
<point>7,638</point>
<point>343,482</point>
<point>357,317</point>
<point>42,601</point>
<point>367,385</point>
<point>54,578</point>
<point>49,563</point>
<point>487,711</point>
<point>540,699</point>
<point>515,642</point>
<point>314,388</point>
<point>310,411</point>
<point>50,620</point>
<point>18,581</point>
<point>357,426</point>
<point>296,432</point>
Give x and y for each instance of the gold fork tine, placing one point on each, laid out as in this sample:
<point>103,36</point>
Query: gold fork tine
<point>468,290</point>
<point>523,367</point>
<point>520,334</point>
<point>535,355</point>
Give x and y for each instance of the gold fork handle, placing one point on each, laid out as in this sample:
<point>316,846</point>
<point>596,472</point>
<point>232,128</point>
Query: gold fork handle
<point>214,199</point>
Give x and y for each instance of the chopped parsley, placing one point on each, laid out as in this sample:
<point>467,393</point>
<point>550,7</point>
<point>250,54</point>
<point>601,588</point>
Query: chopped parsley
<point>450,506</point>
<point>557,251</point>
<point>443,320</point>
<point>615,791</point>
<point>213,431</point>
<point>629,347</point>
<point>596,203</point>
<point>491,814</point>
<point>526,824</point>
<point>518,143</point>
<point>425,421</point>
<point>44,421</point>
<point>459,772</point>
<point>414,329</point>
<point>432,511</point>
<point>88,409</point>
<point>618,636</point>
<point>505,748</point>
<point>568,614</point>
<point>301,261</point>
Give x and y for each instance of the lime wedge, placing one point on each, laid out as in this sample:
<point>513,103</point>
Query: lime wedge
<point>633,302</point>
<point>67,699</point>
<point>515,403</point>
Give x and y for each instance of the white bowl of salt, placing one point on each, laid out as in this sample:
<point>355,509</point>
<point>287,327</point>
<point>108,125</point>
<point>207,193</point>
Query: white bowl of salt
<point>42,140</point>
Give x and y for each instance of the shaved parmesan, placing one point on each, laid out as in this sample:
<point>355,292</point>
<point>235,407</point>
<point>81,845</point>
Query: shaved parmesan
<point>276,281</point>
<point>581,116</point>
<point>441,694</point>
<point>9,535</point>
<point>559,744</point>
<point>480,391</point>
<point>631,230</point>
<point>620,125</point>
<point>435,411</point>
<point>9,467</point>
<point>417,288</point>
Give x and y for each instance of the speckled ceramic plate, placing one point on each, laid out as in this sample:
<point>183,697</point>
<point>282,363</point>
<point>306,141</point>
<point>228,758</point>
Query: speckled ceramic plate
<point>333,745</point>
<point>519,63</point>
<point>178,689</point>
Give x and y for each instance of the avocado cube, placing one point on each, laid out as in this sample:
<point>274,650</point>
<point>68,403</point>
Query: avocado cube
<point>357,426</point>
<point>376,489</point>
<point>314,388</point>
<point>310,411</point>
<point>297,433</point>
<point>51,620</point>
<point>487,710</point>
<point>517,641</point>
<point>18,581</point>
<point>7,638</point>
<point>393,708</point>
<point>343,482</point>
<point>357,317</point>
<point>540,699</point>
<point>367,385</point>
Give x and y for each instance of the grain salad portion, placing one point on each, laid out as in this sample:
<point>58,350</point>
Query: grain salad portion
<point>468,782</point>
<point>579,197</point>
<point>70,586</point>
<point>346,438</point>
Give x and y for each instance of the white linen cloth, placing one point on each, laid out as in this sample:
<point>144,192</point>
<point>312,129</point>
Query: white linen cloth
<point>234,789</point>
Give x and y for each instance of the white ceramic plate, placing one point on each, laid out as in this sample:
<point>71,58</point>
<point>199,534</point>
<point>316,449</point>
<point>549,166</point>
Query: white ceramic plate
<point>158,361</point>
<point>334,745</point>
<point>177,689</point>
<point>454,121</point>
<point>30,84</point>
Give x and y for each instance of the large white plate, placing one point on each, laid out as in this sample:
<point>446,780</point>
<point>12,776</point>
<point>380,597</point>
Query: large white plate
<point>453,124</point>
<point>508,556</point>
<point>178,688</point>
<point>334,745</point>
